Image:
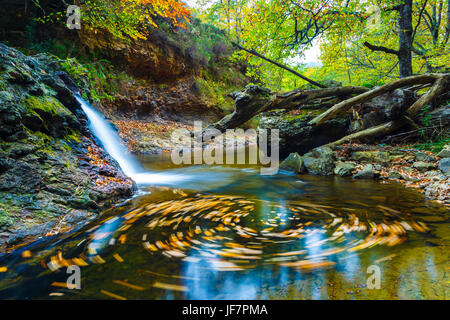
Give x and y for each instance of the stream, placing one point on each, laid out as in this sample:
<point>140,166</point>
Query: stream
<point>227,232</point>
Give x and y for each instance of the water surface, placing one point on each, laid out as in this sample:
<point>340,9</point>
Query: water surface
<point>227,232</point>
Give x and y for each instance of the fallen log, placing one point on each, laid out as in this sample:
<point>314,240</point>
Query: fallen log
<point>373,132</point>
<point>441,84</point>
<point>347,104</point>
<point>254,100</point>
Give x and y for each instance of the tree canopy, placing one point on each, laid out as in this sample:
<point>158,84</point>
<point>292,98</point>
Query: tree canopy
<point>125,19</point>
<point>361,42</point>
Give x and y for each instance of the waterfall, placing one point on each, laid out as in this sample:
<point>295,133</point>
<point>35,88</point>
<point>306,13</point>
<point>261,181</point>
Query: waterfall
<point>111,142</point>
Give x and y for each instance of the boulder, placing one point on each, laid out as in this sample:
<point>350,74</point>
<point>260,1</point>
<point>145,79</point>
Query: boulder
<point>393,174</point>
<point>366,173</point>
<point>423,166</point>
<point>296,135</point>
<point>319,161</point>
<point>294,163</point>
<point>440,117</point>
<point>371,156</point>
<point>422,156</point>
<point>435,175</point>
<point>444,165</point>
<point>344,169</point>
<point>445,152</point>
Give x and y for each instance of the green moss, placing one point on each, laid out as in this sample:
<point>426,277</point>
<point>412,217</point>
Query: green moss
<point>73,137</point>
<point>2,85</point>
<point>46,104</point>
<point>302,115</point>
<point>6,216</point>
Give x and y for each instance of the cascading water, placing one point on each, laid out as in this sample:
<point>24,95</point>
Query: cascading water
<point>110,140</point>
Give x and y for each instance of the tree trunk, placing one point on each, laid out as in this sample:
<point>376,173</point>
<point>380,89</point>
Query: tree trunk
<point>405,39</point>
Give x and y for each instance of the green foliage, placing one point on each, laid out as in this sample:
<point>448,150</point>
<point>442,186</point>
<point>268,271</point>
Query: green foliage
<point>103,80</point>
<point>269,27</point>
<point>214,92</point>
<point>123,19</point>
<point>434,146</point>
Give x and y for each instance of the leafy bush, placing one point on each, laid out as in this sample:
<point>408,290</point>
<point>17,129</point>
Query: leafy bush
<point>103,81</point>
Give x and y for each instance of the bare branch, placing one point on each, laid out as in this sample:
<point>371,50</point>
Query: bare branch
<point>381,48</point>
<point>253,52</point>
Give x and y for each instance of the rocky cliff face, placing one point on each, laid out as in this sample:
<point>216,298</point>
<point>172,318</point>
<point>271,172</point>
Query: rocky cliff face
<point>154,58</point>
<point>166,83</point>
<point>52,173</point>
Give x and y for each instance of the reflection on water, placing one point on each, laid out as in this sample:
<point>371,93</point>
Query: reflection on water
<point>229,233</point>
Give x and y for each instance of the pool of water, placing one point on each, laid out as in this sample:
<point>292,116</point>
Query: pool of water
<point>227,232</point>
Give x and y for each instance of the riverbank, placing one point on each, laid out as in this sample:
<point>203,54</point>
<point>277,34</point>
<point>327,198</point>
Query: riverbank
<point>427,172</point>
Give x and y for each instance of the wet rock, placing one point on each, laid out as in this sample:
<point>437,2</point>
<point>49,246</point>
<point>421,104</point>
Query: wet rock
<point>30,231</point>
<point>435,175</point>
<point>294,163</point>
<point>438,190</point>
<point>392,104</point>
<point>444,166</point>
<point>22,177</point>
<point>423,166</point>
<point>4,165</point>
<point>445,152</point>
<point>58,190</point>
<point>393,174</point>
<point>319,161</point>
<point>421,156</point>
<point>76,216</point>
<point>366,173</point>
<point>370,156</point>
<point>344,169</point>
<point>408,170</point>
<point>372,119</point>
<point>83,203</point>
<point>41,146</point>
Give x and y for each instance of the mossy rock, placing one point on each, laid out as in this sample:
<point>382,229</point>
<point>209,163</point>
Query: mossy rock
<point>46,105</point>
<point>48,114</point>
